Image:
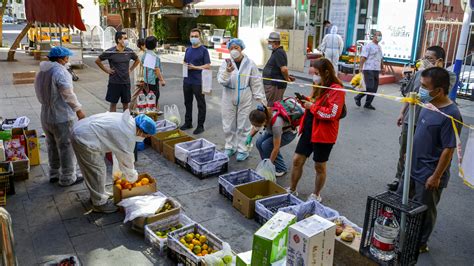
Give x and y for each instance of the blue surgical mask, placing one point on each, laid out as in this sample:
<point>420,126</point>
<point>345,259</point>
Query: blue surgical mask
<point>379,38</point>
<point>270,47</point>
<point>194,41</point>
<point>424,95</point>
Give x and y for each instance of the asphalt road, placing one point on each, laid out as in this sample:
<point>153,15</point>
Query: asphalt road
<point>11,31</point>
<point>362,162</point>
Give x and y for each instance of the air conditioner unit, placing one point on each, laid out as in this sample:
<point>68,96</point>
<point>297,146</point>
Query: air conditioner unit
<point>447,2</point>
<point>436,1</point>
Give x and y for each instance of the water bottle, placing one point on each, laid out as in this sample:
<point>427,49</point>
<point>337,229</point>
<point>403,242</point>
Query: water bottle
<point>151,102</point>
<point>386,229</point>
<point>141,103</point>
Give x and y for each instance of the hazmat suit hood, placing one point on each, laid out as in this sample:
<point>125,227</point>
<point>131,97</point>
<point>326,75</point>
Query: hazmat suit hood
<point>334,30</point>
<point>45,66</point>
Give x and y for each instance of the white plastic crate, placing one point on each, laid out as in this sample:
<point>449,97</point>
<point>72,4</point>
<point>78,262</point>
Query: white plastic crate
<point>202,166</point>
<point>184,150</point>
<point>231,180</point>
<point>267,207</point>
<point>161,243</point>
<point>310,208</point>
<point>165,125</point>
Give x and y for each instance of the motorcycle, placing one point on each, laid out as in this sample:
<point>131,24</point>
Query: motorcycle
<point>71,71</point>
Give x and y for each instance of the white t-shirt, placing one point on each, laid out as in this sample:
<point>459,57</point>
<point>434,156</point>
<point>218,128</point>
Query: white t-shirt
<point>373,53</point>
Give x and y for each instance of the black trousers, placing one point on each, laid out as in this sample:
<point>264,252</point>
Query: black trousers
<point>371,79</point>
<point>191,91</point>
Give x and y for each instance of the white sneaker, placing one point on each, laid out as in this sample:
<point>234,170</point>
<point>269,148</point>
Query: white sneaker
<point>315,197</point>
<point>294,193</point>
<point>280,174</point>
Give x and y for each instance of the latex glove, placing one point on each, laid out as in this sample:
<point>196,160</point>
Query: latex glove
<point>249,140</point>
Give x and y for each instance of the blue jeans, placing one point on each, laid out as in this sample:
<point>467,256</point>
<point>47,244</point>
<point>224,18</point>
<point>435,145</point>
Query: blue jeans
<point>264,145</point>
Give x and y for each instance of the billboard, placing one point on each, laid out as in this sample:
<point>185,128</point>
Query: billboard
<point>397,22</point>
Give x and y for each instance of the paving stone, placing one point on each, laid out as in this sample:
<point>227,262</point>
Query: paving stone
<point>80,226</point>
<point>24,248</point>
<point>68,209</point>
<point>51,239</point>
<point>41,211</point>
<point>84,244</point>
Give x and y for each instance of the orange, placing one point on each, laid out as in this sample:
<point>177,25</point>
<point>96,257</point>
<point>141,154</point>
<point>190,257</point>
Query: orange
<point>196,242</point>
<point>124,182</point>
<point>138,184</point>
<point>205,247</point>
<point>145,181</point>
<point>191,246</point>
<point>204,252</point>
<point>199,255</point>
<point>118,186</point>
<point>128,186</point>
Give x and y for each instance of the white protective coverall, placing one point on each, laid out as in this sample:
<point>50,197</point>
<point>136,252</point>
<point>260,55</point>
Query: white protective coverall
<point>237,104</point>
<point>332,47</point>
<point>96,135</point>
<point>59,104</point>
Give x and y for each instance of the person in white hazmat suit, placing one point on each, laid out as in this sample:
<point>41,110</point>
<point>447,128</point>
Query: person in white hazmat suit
<point>332,47</point>
<point>60,109</point>
<point>96,135</point>
<point>240,78</point>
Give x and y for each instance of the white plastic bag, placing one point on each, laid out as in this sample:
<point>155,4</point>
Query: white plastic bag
<point>467,165</point>
<point>142,206</point>
<point>172,114</point>
<point>266,169</point>
<point>221,257</point>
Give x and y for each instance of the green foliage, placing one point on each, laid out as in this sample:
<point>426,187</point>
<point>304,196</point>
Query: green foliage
<point>161,29</point>
<point>185,26</point>
<point>232,27</point>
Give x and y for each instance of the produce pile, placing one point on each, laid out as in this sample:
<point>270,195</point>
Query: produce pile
<point>257,197</point>
<point>175,135</point>
<point>346,232</point>
<point>122,183</point>
<point>168,206</point>
<point>197,244</point>
<point>164,233</point>
<point>2,170</point>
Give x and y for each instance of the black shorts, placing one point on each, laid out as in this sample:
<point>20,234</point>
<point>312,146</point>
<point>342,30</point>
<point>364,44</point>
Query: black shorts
<point>320,151</point>
<point>116,92</point>
<point>155,88</point>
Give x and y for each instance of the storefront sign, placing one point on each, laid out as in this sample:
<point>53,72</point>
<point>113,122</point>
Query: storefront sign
<point>303,5</point>
<point>285,40</point>
<point>338,14</point>
<point>398,34</point>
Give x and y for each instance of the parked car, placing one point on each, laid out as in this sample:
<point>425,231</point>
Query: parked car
<point>8,19</point>
<point>207,30</point>
<point>220,37</point>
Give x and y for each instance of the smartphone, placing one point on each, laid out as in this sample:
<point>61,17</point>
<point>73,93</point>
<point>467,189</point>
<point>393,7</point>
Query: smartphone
<point>300,97</point>
<point>229,63</point>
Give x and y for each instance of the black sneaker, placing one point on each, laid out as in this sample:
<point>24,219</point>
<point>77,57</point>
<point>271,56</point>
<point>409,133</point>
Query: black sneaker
<point>53,180</point>
<point>370,107</point>
<point>186,126</point>
<point>198,130</point>
<point>357,101</point>
<point>393,186</point>
<point>79,180</point>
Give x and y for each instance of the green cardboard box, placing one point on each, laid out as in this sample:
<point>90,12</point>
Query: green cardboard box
<point>244,259</point>
<point>270,241</point>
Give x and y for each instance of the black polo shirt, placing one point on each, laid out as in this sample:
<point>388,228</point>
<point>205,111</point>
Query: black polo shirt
<point>273,68</point>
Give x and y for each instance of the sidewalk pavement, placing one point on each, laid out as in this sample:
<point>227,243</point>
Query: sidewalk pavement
<point>49,221</point>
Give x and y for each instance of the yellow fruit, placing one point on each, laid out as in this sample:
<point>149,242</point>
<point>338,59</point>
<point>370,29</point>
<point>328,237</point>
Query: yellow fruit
<point>128,186</point>
<point>182,241</point>
<point>202,239</point>
<point>188,238</point>
<point>138,184</point>
<point>191,246</point>
<point>145,181</point>
<point>197,249</point>
<point>196,242</point>
<point>197,236</point>
<point>210,250</point>
<point>205,247</point>
<point>199,255</point>
<point>204,252</point>
<point>118,186</point>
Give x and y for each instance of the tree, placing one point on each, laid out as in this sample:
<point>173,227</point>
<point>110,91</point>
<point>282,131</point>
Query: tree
<point>11,53</point>
<point>2,10</point>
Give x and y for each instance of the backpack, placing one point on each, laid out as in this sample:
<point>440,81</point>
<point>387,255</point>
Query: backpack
<point>290,110</point>
<point>344,108</point>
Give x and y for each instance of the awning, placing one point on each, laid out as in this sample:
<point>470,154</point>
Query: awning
<point>217,4</point>
<point>63,12</point>
<point>168,10</point>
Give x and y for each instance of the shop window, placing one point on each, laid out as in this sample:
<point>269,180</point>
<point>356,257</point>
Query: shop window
<point>375,12</point>
<point>256,14</point>
<point>301,20</point>
<point>268,13</point>
<point>285,15</point>
<point>245,13</point>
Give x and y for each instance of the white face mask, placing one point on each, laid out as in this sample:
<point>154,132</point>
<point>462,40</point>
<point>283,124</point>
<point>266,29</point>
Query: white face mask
<point>270,47</point>
<point>139,139</point>
<point>379,38</point>
<point>316,79</point>
<point>126,43</point>
<point>235,54</point>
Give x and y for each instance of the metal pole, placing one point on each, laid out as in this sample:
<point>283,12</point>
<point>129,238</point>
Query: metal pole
<point>408,155</point>
<point>463,39</point>
<point>143,32</point>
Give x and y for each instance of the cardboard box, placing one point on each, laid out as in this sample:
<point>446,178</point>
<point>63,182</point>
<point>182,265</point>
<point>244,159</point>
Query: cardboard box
<point>270,241</point>
<point>244,195</point>
<point>19,133</point>
<point>33,147</point>
<point>311,242</point>
<point>21,169</point>
<point>244,259</point>
<point>139,223</point>
<point>158,139</point>
<point>168,147</point>
<point>135,191</point>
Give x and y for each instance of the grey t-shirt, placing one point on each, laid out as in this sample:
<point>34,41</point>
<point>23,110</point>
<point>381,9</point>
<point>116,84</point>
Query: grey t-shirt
<point>280,126</point>
<point>414,86</point>
<point>433,134</point>
<point>120,62</point>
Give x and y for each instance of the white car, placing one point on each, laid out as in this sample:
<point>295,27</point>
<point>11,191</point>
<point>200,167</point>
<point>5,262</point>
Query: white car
<point>8,19</point>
